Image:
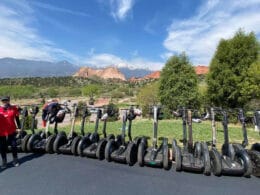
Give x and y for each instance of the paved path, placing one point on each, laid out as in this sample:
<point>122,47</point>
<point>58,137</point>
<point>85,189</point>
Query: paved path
<point>60,174</point>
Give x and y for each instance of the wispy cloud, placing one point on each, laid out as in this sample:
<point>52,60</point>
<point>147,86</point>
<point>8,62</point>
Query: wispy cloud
<point>18,39</point>
<point>106,59</point>
<point>59,9</point>
<point>121,8</point>
<point>198,36</point>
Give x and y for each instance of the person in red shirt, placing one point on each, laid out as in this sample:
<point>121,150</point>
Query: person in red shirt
<point>9,120</point>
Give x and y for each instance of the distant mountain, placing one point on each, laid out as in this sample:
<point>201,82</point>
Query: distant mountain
<point>11,68</point>
<point>129,73</point>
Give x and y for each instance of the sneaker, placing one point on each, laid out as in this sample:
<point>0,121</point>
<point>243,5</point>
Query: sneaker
<point>4,164</point>
<point>16,162</point>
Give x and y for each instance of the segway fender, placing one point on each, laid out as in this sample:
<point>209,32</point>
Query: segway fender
<point>100,153</point>
<point>109,149</point>
<point>35,138</point>
<point>59,141</point>
<point>131,153</point>
<point>166,163</point>
<point>248,168</point>
<point>141,153</point>
<point>176,152</point>
<point>215,162</point>
<point>206,157</point>
<point>83,143</point>
<point>74,145</point>
<point>49,144</point>
<point>24,143</point>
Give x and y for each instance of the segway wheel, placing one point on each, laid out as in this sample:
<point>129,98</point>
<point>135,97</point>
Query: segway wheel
<point>177,154</point>
<point>244,158</point>
<point>140,154</point>
<point>215,162</point>
<point>49,144</point>
<point>83,143</point>
<point>35,138</point>
<point>131,154</point>
<point>100,153</point>
<point>59,141</point>
<point>174,144</point>
<point>74,145</point>
<point>166,163</point>
<point>109,149</point>
<point>255,159</point>
<point>206,157</point>
<point>24,143</point>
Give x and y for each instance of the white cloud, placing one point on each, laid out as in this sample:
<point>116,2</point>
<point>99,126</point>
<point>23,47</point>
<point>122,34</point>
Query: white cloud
<point>199,35</point>
<point>121,8</point>
<point>105,59</point>
<point>19,40</point>
<point>59,9</point>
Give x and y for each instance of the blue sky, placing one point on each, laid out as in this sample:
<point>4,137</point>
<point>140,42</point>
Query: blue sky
<point>133,33</point>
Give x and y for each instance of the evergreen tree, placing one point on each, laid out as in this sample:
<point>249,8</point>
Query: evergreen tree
<point>229,83</point>
<point>179,83</point>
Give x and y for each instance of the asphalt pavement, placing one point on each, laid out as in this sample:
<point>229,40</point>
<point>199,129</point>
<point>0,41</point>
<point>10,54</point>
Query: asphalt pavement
<point>51,174</point>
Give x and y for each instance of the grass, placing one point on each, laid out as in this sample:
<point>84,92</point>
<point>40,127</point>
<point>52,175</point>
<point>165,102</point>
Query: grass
<point>173,129</point>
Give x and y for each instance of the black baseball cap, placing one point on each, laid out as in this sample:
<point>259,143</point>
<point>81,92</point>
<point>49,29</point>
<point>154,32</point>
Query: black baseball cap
<point>5,98</point>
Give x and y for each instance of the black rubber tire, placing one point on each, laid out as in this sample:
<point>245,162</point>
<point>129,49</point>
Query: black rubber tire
<point>206,158</point>
<point>197,150</point>
<point>215,162</point>
<point>49,144</point>
<point>83,143</point>
<point>100,153</point>
<point>140,154</point>
<point>166,163</point>
<point>24,143</point>
<point>35,138</point>
<point>59,141</point>
<point>74,145</point>
<point>245,159</point>
<point>174,143</point>
<point>109,149</point>
<point>255,159</point>
<point>177,151</point>
<point>131,154</point>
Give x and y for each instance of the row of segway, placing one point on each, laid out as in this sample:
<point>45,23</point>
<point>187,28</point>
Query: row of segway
<point>233,160</point>
<point>197,157</point>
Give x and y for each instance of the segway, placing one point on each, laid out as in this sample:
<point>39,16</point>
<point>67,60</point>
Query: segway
<point>154,156</point>
<point>42,143</point>
<point>192,158</point>
<point>33,111</point>
<point>124,152</point>
<point>89,138</point>
<point>97,149</point>
<point>231,161</point>
<point>67,144</point>
<point>254,152</point>
<point>21,136</point>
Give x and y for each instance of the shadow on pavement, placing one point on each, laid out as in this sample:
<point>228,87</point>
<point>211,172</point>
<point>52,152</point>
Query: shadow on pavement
<point>22,160</point>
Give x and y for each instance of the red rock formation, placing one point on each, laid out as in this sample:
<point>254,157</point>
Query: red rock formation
<point>201,70</point>
<point>106,73</point>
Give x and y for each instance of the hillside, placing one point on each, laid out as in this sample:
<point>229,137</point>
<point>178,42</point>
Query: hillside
<point>11,68</point>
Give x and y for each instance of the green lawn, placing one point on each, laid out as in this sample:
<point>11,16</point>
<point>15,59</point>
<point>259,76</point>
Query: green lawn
<point>173,129</point>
